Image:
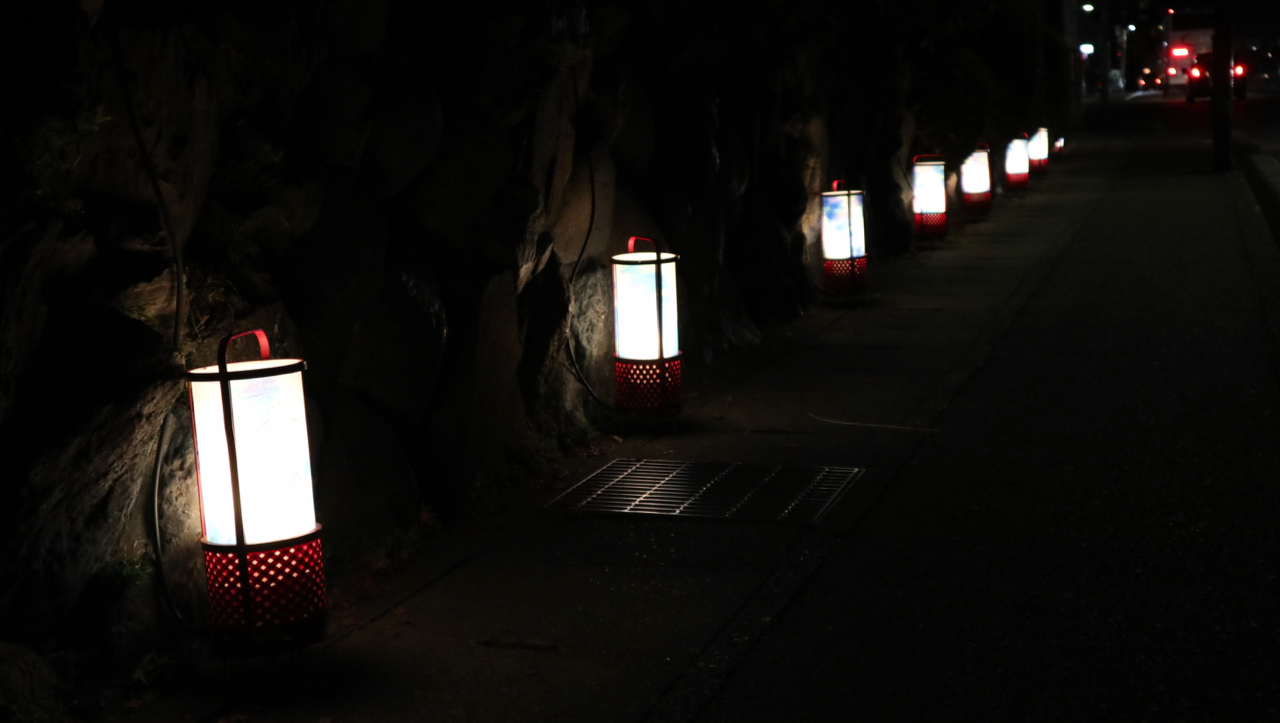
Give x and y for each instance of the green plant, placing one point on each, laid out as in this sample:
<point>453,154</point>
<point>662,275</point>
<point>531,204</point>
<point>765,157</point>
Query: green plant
<point>133,568</point>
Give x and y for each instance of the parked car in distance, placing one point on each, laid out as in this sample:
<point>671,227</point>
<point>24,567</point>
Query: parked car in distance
<point>1199,83</point>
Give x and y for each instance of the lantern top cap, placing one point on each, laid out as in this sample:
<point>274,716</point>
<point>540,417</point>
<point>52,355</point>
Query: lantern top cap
<point>982,148</point>
<point>846,191</point>
<point>644,257</point>
<point>928,159</point>
<point>247,369</point>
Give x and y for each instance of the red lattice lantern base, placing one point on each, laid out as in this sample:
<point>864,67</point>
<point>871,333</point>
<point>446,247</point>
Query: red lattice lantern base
<point>842,276</point>
<point>285,601</point>
<point>931,225</point>
<point>978,204</point>
<point>1038,165</point>
<point>647,385</point>
<point>1016,181</point>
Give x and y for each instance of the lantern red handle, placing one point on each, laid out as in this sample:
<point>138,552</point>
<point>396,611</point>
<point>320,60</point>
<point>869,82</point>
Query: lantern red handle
<point>835,185</point>
<point>264,348</point>
<point>932,158</point>
<point>631,244</point>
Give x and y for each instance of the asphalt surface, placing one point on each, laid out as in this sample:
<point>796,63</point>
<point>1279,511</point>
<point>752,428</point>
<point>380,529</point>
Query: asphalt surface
<point>1091,534</point>
<point>1068,417</point>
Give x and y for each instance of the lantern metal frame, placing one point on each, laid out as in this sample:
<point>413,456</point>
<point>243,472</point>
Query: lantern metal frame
<point>1038,143</point>
<point>978,204</point>
<point>267,595</point>
<point>648,386</point>
<point>931,224</point>
<point>846,275</point>
<point>1016,181</point>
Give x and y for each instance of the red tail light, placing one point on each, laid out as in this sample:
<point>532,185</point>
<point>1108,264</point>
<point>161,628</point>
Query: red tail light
<point>1239,70</point>
<point>1195,72</point>
<point>1179,52</point>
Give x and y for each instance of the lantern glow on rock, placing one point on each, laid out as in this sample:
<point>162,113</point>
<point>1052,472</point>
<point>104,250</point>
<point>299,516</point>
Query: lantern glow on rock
<point>975,181</point>
<point>646,330</point>
<point>1016,165</point>
<point>929,187</point>
<point>844,246</point>
<point>263,559</point>
<point>1038,151</point>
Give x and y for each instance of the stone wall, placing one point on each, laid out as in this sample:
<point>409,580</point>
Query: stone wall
<point>421,200</point>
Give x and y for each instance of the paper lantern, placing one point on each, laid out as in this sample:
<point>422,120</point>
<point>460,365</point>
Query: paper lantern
<point>646,330</point>
<point>1058,147</point>
<point>929,187</point>
<point>263,560</point>
<point>1016,164</point>
<point>1038,151</point>
<point>975,181</point>
<point>844,246</point>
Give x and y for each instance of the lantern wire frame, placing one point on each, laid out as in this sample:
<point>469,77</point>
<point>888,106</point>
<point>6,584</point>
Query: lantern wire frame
<point>856,273</point>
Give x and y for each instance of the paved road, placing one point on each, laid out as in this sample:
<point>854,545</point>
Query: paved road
<point>1257,118</point>
<point>1091,534</point>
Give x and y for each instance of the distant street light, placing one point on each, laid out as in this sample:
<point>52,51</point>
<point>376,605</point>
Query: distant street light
<point>844,246</point>
<point>1086,48</point>
<point>1133,28</point>
<point>646,330</point>
<point>1087,8</point>
<point>929,188</point>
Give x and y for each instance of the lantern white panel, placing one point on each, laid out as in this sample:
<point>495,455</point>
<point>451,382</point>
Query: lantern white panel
<point>272,452</point>
<point>635,308</point>
<point>1038,148</point>
<point>929,184</point>
<point>843,231</point>
<point>975,174</point>
<point>1015,157</point>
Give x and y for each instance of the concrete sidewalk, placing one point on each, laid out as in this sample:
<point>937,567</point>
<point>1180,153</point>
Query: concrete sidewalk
<point>522,615</point>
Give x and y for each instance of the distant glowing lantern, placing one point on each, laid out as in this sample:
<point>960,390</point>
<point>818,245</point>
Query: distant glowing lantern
<point>1016,164</point>
<point>646,330</point>
<point>1038,151</point>
<point>1086,48</point>
<point>975,181</point>
<point>263,560</point>
<point>929,186</point>
<point>1059,146</point>
<point>844,246</point>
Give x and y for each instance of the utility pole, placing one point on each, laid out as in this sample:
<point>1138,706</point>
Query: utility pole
<point>1221,98</point>
<point>1104,10</point>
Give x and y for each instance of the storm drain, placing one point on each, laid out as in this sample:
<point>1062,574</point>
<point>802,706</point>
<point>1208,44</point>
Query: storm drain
<point>721,490</point>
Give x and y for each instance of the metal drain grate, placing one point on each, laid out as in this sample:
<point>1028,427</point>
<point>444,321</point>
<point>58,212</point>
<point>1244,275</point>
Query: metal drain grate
<point>718,490</point>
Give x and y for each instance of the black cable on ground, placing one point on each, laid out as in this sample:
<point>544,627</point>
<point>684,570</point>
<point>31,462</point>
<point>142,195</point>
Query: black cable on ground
<point>591,222</point>
<point>179,316</point>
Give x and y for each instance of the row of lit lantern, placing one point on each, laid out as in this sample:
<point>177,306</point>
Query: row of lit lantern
<point>263,557</point>
<point>844,260</point>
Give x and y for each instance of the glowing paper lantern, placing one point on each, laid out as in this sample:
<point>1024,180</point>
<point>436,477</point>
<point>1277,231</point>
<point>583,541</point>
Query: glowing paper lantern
<point>1016,164</point>
<point>975,181</point>
<point>1038,151</point>
<point>263,560</point>
<point>646,330</point>
<point>929,186</point>
<point>844,246</point>
<point>1058,147</point>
